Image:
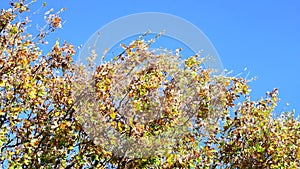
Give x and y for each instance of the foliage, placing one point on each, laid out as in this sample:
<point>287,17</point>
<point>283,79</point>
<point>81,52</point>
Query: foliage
<point>144,109</point>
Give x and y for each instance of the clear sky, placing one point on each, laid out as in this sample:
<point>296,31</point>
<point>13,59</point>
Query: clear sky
<point>263,36</point>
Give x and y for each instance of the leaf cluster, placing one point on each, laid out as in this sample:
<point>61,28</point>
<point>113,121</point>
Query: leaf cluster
<point>144,109</point>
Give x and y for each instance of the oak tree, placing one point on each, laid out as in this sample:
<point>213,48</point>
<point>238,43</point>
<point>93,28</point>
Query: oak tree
<point>145,108</point>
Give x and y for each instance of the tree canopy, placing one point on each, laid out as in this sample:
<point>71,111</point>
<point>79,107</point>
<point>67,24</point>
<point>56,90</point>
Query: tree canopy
<point>143,109</point>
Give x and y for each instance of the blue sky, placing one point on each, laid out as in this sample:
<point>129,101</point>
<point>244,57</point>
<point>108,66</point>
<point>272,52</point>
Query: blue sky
<point>263,36</point>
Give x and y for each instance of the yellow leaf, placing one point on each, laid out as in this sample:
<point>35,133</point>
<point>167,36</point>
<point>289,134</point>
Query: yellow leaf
<point>120,126</point>
<point>16,109</point>
<point>32,94</point>
<point>2,83</point>
<point>102,107</point>
<point>113,115</point>
<point>70,101</point>
<point>70,148</point>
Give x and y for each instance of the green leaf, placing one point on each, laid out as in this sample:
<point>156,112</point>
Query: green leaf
<point>41,94</point>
